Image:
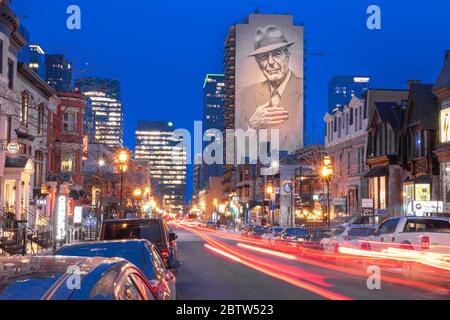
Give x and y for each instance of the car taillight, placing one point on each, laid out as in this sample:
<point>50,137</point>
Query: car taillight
<point>425,242</point>
<point>165,253</point>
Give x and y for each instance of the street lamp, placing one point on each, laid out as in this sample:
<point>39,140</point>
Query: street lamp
<point>327,172</point>
<point>122,158</point>
<point>269,190</point>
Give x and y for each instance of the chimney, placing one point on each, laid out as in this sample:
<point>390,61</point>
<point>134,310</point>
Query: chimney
<point>411,82</point>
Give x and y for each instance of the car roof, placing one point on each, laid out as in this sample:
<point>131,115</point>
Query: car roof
<point>428,218</point>
<point>130,250</point>
<point>132,220</point>
<point>34,277</point>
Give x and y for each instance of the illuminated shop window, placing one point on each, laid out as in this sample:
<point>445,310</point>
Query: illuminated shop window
<point>445,125</point>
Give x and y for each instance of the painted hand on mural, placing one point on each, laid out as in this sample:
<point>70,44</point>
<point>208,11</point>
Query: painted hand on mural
<point>267,116</point>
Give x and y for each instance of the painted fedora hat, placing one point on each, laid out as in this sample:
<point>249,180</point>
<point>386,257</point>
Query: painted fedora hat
<point>269,38</point>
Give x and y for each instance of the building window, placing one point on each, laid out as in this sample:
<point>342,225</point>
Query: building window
<point>348,163</point>
<point>69,122</point>
<point>422,192</point>
<point>68,163</point>
<point>41,114</point>
<point>1,56</point>
<point>378,190</point>
<point>351,116</point>
<point>445,125</point>
<point>24,109</point>
<point>418,144</point>
<point>8,128</point>
<point>10,73</point>
<point>340,127</point>
<point>360,118</point>
<point>38,168</point>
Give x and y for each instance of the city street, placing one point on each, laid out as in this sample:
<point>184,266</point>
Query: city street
<point>205,274</point>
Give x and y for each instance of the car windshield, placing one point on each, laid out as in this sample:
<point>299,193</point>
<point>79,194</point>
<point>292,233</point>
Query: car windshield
<point>149,230</point>
<point>427,225</point>
<point>360,232</point>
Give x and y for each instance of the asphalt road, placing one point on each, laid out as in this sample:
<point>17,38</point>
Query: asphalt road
<point>209,275</point>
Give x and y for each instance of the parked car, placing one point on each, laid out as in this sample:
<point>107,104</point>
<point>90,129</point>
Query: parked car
<point>56,278</point>
<point>293,236</point>
<point>415,233</point>
<point>152,229</point>
<point>316,236</point>
<point>271,234</point>
<point>350,237</point>
<point>212,224</point>
<point>257,232</point>
<point>423,234</point>
<point>246,230</point>
<point>142,253</point>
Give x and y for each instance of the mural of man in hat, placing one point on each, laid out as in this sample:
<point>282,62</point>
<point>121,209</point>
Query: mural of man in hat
<point>275,102</point>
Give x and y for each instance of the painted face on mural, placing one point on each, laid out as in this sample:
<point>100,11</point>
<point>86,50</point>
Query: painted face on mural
<point>274,64</point>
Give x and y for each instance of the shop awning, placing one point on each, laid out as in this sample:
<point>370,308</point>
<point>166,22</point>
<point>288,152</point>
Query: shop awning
<point>377,172</point>
<point>420,179</point>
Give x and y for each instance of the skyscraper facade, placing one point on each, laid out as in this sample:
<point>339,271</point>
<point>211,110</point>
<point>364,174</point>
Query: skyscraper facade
<point>103,121</point>
<point>155,143</point>
<point>58,72</point>
<point>213,118</point>
<point>341,89</point>
<point>34,57</point>
<point>109,86</point>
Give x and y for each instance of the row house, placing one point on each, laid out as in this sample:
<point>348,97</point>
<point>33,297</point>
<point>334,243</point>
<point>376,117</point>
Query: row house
<point>26,102</point>
<point>41,137</point>
<point>345,142</point>
<point>419,137</point>
<point>442,91</point>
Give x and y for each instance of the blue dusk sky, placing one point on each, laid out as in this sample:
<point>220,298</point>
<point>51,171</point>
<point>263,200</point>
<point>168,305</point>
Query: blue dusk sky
<point>161,50</point>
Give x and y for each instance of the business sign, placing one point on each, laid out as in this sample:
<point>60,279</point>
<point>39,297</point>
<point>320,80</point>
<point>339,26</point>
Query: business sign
<point>340,202</point>
<point>61,211</point>
<point>77,215</point>
<point>85,147</point>
<point>269,78</point>
<point>367,203</point>
<point>13,147</point>
<point>422,207</point>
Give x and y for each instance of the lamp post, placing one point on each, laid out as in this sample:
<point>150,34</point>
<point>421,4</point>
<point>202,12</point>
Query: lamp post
<point>327,171</point>
<point>269,190</point>
<point>137,193</point>
<point>122,159</point>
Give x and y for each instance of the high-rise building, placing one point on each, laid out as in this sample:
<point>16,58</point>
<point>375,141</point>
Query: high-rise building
<point>341,89</point>
<point>109,86</point>
<point>103,121</point>
<point>58,72</point>
<point>155,142</point>
<point>213,118</point>
<point>35,59</point>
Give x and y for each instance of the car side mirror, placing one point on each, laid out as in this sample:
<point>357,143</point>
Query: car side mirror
<point>174,264</point>
<point>172,236</point>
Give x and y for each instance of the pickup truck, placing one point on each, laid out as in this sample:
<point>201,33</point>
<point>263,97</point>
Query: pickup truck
<point>430,234</point>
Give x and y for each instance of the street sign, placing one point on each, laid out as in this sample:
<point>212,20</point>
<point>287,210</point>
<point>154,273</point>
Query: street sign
<point>12,147</point>
<point>367,203</point>
<point>340,201</point>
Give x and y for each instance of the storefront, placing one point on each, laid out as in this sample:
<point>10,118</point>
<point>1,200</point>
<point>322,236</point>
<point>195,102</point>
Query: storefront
<point>378,186</point>
<point>418,189</point>
<point>16,186</point>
